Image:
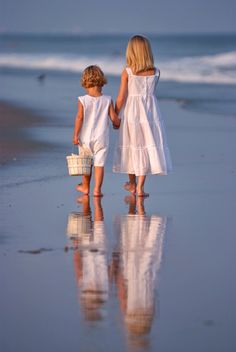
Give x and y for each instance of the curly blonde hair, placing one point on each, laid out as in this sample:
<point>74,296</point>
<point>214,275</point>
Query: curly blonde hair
<point>93,76</point>
<point>139,55</point>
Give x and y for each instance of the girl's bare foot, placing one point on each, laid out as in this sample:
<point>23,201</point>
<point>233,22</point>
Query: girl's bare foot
<point>130,199</point>
<point>130,187</point>
<point>81,188</point>
<point>97,194</point>
<point>82,199</point>
<point>141,193</point>
<point>140,206</point>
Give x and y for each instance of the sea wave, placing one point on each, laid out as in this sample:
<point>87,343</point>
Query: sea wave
<point>213,69</point>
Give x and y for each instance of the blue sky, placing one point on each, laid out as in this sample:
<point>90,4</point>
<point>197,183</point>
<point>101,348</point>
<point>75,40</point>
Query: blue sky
<point>93,16</point>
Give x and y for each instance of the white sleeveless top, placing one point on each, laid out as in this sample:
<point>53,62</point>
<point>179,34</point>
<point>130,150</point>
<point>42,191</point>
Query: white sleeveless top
<point>142,85</point>
<point>96,120</point>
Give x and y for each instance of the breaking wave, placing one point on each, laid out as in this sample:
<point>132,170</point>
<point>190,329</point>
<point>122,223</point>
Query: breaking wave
<point>213,69</point>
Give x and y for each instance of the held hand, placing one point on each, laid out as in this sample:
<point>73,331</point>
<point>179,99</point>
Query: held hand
<point>75,141</point>
<point>116,125</point>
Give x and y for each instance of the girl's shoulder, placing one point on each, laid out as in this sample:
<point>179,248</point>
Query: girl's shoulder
<point>130,72</point>
<point>106,97</point>
<point>88,99</point>
<point>81,99</point>
<point>85,100</point>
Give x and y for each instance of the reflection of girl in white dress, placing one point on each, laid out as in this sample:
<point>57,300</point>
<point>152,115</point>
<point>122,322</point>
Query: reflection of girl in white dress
<point>90,263</point>
<point>140,253</point>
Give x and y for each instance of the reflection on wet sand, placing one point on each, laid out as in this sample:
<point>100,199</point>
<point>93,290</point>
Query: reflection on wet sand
<point>134,266</point>
<point>90,257</point>
<point>136,262</point>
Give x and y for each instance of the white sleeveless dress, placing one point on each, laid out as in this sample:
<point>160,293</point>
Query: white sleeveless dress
<point>94,134</point>
<point>142,146</point>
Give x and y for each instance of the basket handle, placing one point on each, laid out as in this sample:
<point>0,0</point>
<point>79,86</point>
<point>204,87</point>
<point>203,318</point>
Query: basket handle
<point>81,150</point>
<point>74,150</point>
<point>85,151</point>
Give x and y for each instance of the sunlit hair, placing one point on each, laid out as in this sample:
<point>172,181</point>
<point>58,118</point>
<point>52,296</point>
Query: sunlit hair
<point>139,55</point>
<point>93,76</point>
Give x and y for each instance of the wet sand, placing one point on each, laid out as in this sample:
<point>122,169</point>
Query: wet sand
<point>15,138</point>
<point>66,264</point>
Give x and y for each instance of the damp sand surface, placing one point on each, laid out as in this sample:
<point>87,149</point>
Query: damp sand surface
<point>121,274</point>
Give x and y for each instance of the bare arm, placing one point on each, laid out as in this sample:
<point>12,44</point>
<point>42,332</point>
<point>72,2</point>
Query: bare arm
<point>123,91</point>
<point>113,116</point>
<point>78,123</point>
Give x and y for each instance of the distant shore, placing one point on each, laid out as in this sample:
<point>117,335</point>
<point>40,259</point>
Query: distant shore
<point>14,137</point>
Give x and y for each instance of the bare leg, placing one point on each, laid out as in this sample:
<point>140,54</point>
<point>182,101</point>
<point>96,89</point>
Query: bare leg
<point>98,212</point>
<point>131,185</point>
<point>140,187</point>
<point>84,200</point>
<point>131,201</point>
<point>98,179</point>
<point>140,206</point>
<point>84,187</point>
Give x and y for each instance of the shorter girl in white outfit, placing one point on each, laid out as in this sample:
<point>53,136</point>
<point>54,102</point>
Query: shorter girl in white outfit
<point>92,125</point>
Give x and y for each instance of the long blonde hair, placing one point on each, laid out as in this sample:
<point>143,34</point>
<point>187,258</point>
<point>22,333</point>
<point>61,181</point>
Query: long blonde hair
<point>139,55</point>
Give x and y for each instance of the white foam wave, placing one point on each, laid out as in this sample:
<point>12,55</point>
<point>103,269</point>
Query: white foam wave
<point>60,63</point>
<point>222,60</point>
<point>214,69</point>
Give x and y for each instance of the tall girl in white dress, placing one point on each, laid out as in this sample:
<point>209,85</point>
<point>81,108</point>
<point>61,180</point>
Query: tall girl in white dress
<point>142,146</point>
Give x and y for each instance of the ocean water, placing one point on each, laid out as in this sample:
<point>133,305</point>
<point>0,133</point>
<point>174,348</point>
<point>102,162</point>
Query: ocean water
<point>197,70</point>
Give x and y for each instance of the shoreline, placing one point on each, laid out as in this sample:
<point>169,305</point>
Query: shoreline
<point>15,139</point>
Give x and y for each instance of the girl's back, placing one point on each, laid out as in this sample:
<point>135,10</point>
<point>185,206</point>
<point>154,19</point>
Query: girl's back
<point>142,147</point>
<point>96,119</point>
<point>142,84</point>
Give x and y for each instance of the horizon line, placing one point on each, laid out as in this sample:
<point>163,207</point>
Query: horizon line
<point>114,33</point>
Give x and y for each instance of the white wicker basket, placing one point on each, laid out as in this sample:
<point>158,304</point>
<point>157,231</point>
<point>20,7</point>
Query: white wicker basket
<point>78,224</point>
<point>79,164</point>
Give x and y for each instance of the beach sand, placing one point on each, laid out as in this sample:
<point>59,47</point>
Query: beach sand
<point>14,137</point>
<point>43,305</point>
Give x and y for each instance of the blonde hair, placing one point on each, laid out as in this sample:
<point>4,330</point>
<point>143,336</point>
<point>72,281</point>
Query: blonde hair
<point>93,76</point>
<point>139,55</point>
